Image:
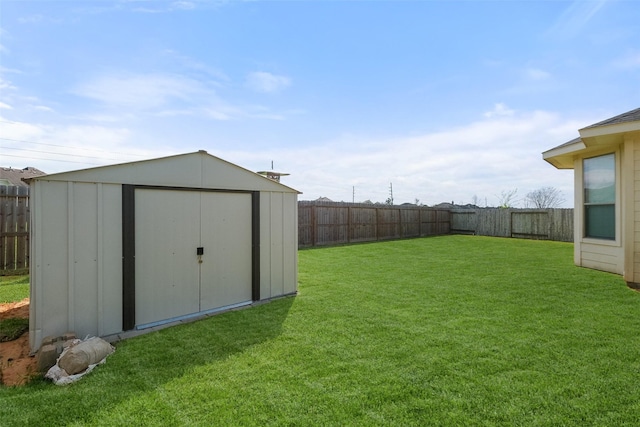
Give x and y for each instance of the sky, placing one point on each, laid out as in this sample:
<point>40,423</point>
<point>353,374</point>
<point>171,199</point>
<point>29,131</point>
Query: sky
<point>427,101</point>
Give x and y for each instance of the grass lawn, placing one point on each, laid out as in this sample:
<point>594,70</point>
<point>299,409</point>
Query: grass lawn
<point>14,288</point>
<point>453,330</point>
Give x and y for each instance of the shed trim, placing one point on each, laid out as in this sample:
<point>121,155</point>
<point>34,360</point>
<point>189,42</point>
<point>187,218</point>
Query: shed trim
<point>255,246</point>
<point>129,245</point>
<point>128,257</point>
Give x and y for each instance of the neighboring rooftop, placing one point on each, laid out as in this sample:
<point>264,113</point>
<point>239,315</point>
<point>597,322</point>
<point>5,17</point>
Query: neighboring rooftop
<point>11,176</point>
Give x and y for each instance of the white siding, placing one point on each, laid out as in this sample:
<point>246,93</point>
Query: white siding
<point>602,257</point>
<point>634,253</point>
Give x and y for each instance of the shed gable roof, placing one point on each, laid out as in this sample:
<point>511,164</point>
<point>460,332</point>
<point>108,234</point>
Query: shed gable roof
<point>191,170</point>
<point>606,133</point>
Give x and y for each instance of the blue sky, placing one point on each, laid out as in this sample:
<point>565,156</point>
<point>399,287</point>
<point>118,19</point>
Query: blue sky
<point>445,100</point>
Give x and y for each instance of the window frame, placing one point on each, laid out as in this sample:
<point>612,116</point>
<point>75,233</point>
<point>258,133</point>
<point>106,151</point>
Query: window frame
<point>615,204</point>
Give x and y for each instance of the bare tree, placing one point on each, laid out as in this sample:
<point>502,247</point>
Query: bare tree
<point>507,199</point>
<point>545,197</point>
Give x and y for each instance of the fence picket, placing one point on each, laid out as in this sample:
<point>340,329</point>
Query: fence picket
<point>340,223</point>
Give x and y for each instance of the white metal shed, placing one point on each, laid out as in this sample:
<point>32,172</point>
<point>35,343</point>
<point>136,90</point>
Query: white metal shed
<point>135,245</point>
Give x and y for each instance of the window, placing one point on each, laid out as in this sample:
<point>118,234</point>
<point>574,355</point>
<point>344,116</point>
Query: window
<point>600,197</point>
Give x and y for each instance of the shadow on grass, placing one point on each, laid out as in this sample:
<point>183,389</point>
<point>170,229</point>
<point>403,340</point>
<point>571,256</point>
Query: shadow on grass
<point>144,363</point>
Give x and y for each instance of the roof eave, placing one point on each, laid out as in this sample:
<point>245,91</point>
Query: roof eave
<point>562,157</point>
<point>608,130</point>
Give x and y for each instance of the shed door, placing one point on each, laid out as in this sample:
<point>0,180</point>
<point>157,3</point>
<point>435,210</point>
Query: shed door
<point>226,241</point>
<point>170,226</point>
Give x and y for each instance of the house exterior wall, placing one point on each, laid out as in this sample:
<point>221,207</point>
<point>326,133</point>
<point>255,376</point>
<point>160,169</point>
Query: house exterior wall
<point>605,255</point>
<point>620,135</point>
<point>632,253</point>
<point>77,242</point>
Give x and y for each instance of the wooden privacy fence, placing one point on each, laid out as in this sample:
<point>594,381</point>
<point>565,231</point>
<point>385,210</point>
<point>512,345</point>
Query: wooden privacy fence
<point>547,224</point>
<point>14,229</point>
<point>325,223</point>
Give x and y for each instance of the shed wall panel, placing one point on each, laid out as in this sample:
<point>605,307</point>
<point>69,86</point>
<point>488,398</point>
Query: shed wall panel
<point>277,245</point>
<point>290,242</point>
<point>84,249</point>
<point>76,282</point>
<point>54,243</point>
<point>110,261</point>
<point>265,244</point>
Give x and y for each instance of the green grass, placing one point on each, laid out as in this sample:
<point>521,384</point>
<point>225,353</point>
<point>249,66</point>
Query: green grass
<point>454,330</point>
<point>11,329</point>
<point>14,288</point>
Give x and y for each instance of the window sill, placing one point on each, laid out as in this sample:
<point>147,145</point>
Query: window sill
<point>602,242</point>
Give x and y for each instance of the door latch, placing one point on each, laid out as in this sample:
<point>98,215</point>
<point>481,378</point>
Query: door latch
<point>199,253</point>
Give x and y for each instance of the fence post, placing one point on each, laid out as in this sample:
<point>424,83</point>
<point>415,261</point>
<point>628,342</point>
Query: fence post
<point>349,225</point>
<point>314,227</point>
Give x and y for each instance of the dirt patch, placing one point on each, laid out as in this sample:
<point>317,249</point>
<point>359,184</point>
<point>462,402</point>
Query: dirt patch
<point>16,366</point>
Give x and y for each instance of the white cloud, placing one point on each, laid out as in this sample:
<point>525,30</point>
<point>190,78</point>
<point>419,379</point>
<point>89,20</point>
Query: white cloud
<point>264,82</point>
<point>167,95</point>
<point>57,148</point>
<point>536,74</point>
<point>142,91</point>
<point>184,5</point>
<point>4,106</point>
<point>499,109</point>
<point>6,85</point>
<point>43,108</point>
<point>629,61</point>
<point>500,152</point>
<point>31,19</point>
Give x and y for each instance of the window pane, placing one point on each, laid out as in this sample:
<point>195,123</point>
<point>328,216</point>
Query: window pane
<point>600,179</point>
<point>600,221</point>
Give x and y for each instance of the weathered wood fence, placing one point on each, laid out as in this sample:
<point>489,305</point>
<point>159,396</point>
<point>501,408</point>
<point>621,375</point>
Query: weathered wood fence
<point>547,224</point>
<point>330,223</point>
<point>14,229</point>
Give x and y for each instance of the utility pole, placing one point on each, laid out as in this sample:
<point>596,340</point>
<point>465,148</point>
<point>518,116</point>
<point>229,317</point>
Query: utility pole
<point>391,192</point>
<point>353,195</point>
